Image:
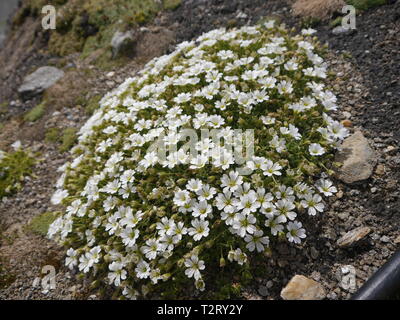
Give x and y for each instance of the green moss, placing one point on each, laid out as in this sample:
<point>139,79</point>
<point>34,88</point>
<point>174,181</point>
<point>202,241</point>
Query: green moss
<point>92,104</point>
<point>171,4</point>
<point>53,135</point>
<point>40,224</point>
<point>336,22</point>
<point>14,167</point>
<point>68,139</point>
<point>309,22</point>
<point>366,4</point>
<point>36,113</point>
<point>89,25</point>
<point>3,107</point>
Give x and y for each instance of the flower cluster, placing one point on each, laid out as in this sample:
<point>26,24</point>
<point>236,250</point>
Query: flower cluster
<point>141,222</point>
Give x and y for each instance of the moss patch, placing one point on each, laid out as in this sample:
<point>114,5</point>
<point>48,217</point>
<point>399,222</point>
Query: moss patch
<point>87,25</point>
<point>14,167</point>
<point>68,139</point>
<point>53,135</point>
<point>36,113</point>
<point>171,4</point>
<point>92,104</point>
<point>40,224</point>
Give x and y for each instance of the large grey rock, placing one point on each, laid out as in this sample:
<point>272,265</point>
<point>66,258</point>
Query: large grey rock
<point>303,288</point>
<point>39,81</point>
<point>357,157</point>
<point>123,42</point>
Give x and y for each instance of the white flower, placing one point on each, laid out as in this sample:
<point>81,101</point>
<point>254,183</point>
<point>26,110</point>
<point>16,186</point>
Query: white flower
<point>182,98</point>
<point>206,192</point>
<point>315,149</point>
<point>17,145</point>
<point>284,208</point>
<point>59,196</point>
<point>142,270</point>
<point>129,236</point>
<point>295,232</point>
<point>256,241</point>
<point>244,224</point>
<point>285,87</point>
<point>326,187</point>
<point>313,203</point>
<point>181,198</point>
<point>248,203</point>
<point>225,202</point>
<point>194,265</point>
<point>232,181</point>
<point>275,223</point>
<point>151,248</point>
<point>200,229</point>
<point>269,168</point>
<point>117,273</point>
<point>202,210</point>
<point>194,185</point>
<point>71,260</point>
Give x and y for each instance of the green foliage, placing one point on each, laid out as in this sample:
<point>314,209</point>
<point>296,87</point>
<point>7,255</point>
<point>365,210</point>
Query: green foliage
<point>3,107</point>
<point>309,22</point>
<point>68,139</point>
<point>336,22</point>
<point>40,223</point>
<point>14,167</point>
<point>92,104</point>
<point>53,135</point>
<point>366,4</point>
<point>88,25</point>
<point>171,4</point>
<point>35,113</point>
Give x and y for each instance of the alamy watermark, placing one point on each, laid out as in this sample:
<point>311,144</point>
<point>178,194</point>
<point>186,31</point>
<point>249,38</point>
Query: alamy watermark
<point>50,17</point>
<point>349,20</point>
<point>47,281</point>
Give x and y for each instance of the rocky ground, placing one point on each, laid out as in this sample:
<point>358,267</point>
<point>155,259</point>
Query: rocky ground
<point>366,62</point>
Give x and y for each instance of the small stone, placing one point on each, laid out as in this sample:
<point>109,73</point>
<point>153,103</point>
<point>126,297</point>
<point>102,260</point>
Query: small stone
<point>122,42</point>
<point>347,123</point>
<point>385,239</point>
<point>353,236</point>
<point>389,149</point>
<point>373,190</point>
<point>263,291</point>
<point>303,288</point>
<point>339,194</point>
<point>397,240</point>
<point>380,169</point>
<point>357,157</point>
<point>314,253</point>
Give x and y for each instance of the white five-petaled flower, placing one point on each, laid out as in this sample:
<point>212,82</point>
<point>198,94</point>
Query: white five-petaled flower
<point>199,230</point>
<point>256,241</point>
<point>194,265</point>
<point>316,149</point>
<point>295,232</point>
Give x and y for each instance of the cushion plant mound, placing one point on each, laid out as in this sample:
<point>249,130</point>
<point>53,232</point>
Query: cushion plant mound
<point>154,205</point>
